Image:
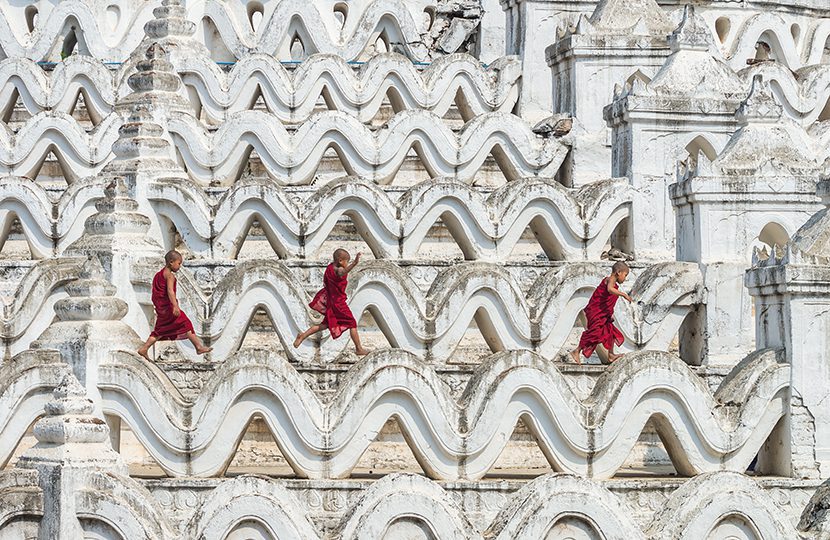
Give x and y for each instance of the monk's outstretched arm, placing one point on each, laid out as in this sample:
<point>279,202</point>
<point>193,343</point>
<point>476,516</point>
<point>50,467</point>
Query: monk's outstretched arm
<point>171,293</point>
<point>615,291</point>
<point>344,271</point>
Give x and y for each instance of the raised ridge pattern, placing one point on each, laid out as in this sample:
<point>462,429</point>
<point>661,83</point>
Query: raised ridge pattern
<point>433,323</point>
<point>451,439</point>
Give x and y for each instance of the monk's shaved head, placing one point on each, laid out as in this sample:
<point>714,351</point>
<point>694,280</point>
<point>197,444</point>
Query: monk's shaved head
<point>171,256</point>
<point>619,266</point>
<point>340,254</point>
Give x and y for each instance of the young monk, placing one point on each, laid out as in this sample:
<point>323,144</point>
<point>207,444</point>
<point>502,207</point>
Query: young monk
<point>600,315</point>
<point>330,301</point>
<point>171,322</point>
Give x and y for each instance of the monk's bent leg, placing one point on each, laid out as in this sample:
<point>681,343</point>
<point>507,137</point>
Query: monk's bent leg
<point>302,336</point>
<point>146,347</point>
<point>200,348</point>
<point>358,349</point>
<point>575,355</point>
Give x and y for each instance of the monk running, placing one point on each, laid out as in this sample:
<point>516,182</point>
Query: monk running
<point>171,322</point>
<point>600,315</point>
<point>330,301</point>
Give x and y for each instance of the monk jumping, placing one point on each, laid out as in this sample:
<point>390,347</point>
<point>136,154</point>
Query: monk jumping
<point>330,301</point>
<point>600,315</point>
<point>171,322</point>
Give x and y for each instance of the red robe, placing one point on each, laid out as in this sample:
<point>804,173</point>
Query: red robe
<point>600,315</point>
<point>331,302</point>
<point>167,326</point>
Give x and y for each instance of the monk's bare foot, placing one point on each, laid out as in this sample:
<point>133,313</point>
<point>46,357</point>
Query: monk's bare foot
<point>614,357</point>
<point>361,352</point>
<point>143,352</point>
<point>575,356</point>
<point>203,350</point>
<point>298,340</point>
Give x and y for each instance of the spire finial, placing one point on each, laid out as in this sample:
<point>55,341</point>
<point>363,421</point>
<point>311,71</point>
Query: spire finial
<point>692,34</point>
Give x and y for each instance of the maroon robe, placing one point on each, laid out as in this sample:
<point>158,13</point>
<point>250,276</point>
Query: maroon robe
<point>331,302</point>
<point>167,326</point>
<point>600,315</point>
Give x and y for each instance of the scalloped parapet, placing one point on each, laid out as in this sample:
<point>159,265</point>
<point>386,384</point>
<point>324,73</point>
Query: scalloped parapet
<point>292,95</point>
<point>293,157</point>
<point>451,439</point>
<point>399,504</point>
<point>804,93</point>
<point>792,40</point>
<point>232,31</point>
<point>435,322</point>
<point>31,308</point>
<point>289,93</point>
<point>82,153</point>
<point>571,224</point>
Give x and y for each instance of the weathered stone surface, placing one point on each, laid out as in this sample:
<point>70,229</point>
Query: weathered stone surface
<point>574,224</point>
<point>757,192</point>
<point>464,437</point>
<point>433,320</point>
<point>718,504</point>
<point>624,38</point>
<point>791,286</point>
<point>490,195</point>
